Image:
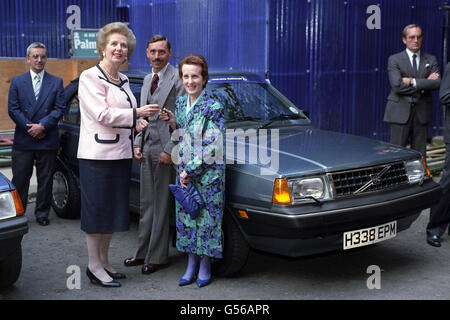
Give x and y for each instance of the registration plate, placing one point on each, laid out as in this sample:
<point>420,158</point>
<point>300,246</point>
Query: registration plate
<point>364,237</point>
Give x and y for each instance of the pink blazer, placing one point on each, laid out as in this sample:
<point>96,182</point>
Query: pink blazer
<point>108,116</point>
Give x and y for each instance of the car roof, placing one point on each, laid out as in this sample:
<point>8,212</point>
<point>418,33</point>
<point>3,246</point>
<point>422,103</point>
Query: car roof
<point>214,75</point>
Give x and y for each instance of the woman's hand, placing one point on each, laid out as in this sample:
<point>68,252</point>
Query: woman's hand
<point>168,115</point>
<point>184,179</point>
<point>141,124</point>
<point>137,154</point>
<point>148,110</point>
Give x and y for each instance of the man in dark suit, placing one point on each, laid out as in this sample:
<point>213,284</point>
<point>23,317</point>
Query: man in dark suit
<point>35,104</point>
<point>153,149</point>
<point>413,76</point>
<point>440,213</point>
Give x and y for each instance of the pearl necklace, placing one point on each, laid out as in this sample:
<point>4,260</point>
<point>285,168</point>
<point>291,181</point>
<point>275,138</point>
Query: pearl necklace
<point>110,76</point>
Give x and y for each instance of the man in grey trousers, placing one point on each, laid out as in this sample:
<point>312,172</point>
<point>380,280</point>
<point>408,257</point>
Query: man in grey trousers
<point>413,75</point>
<point>153,149</point>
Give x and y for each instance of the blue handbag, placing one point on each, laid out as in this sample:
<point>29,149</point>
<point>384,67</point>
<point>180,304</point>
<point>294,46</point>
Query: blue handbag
<point>189,198</point>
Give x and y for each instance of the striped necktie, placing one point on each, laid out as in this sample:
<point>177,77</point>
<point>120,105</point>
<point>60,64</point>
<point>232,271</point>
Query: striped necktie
<point>37,86</point>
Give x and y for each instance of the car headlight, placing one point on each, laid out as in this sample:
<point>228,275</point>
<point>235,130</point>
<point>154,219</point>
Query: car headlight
<point>416,171</point>
<point>309,188</point>
<point>10,205</point>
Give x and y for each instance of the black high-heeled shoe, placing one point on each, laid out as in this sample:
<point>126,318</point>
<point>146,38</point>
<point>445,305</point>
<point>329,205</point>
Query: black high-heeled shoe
<point>116,276</point>
<point>94,280</point>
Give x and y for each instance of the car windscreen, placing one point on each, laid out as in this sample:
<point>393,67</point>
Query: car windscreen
<point>253,101</point>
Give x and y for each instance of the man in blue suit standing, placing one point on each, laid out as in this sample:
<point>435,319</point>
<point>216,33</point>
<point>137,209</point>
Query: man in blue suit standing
<point>35,104</point>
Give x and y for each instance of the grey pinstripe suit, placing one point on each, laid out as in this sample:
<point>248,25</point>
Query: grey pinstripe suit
<point>155,199</point>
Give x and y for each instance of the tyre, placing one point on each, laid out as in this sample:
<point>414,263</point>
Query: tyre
<point>10,268</point>
<point>235,249</point>
<point>65,193</point>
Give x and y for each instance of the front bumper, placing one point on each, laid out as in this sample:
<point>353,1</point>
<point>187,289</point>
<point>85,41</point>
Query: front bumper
<point>11,233</point>
<point>306,229</point>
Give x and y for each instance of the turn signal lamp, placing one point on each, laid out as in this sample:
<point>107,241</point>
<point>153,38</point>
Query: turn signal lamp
<point>18,203</point>
<point>281,193</point>
<point>243,214</point>
<point>426,167</point>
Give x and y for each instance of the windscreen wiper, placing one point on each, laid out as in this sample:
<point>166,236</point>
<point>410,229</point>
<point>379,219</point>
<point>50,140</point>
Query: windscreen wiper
<point>280,117</point>
<point>244,119</point>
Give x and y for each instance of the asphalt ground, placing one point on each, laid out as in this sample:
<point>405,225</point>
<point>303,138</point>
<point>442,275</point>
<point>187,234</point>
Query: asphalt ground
<point>408,269</point>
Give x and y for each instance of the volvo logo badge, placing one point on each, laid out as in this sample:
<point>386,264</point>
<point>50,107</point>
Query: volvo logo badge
<point>375,179</point>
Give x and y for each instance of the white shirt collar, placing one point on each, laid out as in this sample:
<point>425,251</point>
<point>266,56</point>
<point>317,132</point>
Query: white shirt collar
<point>33,74</point>
<point>161,73</point>
<point>410,55</point>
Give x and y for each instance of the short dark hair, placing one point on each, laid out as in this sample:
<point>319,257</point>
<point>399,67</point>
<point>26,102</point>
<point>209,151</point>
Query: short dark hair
<point>158,37</point>
<point>194,59</point>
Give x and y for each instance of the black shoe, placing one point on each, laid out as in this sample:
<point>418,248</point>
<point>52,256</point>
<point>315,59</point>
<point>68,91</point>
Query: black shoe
<point>434,240</point>
<point>43,221</point>
<point>116,276</point>
<point>150,268</point>
<point>131,262</point>
<point>95,280</point>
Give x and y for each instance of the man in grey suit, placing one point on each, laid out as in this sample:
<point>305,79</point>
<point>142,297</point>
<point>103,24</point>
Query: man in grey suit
<point>440,213</point>
<point>413,76</point>
<point>153,148</point>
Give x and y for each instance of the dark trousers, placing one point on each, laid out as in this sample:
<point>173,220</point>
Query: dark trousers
<point>414,129</point>
<point>22,170</point>
<point>440,213</point>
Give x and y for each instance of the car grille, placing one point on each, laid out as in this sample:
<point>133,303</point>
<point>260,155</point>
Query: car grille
<point>370,179</point>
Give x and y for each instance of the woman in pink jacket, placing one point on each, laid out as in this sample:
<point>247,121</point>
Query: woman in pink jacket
<point>108,116</point>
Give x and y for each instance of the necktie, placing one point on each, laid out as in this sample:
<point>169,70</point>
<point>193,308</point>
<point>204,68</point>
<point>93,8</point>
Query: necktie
<point>414,65</point>
<point>155,81</point>
<point>37,86</point>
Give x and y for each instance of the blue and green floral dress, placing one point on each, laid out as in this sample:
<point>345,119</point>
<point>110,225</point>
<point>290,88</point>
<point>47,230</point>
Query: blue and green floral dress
<point>199,146</point>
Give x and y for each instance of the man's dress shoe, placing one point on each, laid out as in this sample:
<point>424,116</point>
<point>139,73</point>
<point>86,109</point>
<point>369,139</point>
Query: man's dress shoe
<point>131,262</point>
<point>150,268</point>
<point>434,240</point>
<point>43,221</point>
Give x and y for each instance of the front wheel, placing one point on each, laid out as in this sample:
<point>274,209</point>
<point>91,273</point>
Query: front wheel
<point>65,193</point>
<point>235,249</point>
<point>10,268</point>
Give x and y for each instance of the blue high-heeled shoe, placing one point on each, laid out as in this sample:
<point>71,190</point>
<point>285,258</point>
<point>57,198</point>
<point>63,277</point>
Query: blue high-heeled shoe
<point>203,283</point>
<point>185,282</point>
<point>195,265</point>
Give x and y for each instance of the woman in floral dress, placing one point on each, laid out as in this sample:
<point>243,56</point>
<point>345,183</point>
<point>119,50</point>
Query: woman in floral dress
<point>198,124</point>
